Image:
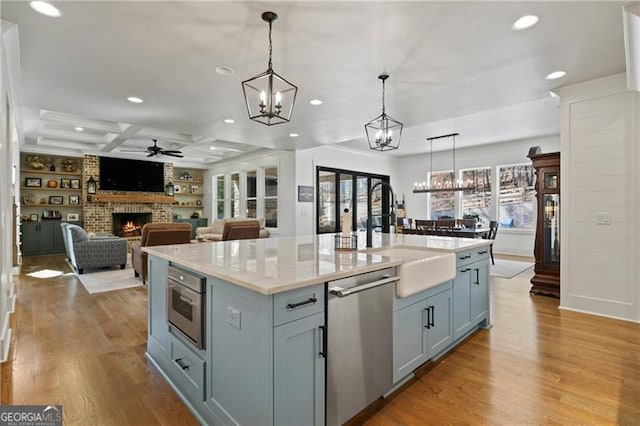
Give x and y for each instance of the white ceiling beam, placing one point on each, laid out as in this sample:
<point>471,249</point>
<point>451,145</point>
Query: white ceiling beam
<point>120,139</point>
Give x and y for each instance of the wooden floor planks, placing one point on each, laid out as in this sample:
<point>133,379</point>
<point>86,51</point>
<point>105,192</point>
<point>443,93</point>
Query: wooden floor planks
<point>537,365</point>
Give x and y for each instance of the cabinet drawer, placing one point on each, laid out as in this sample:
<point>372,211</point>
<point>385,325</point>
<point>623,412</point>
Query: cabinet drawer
<point>188,370</point>
<point>473,255</point>
<point>299,303</point>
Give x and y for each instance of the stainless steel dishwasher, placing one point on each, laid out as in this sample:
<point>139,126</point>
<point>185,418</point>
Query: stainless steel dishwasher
<point>359,342</point>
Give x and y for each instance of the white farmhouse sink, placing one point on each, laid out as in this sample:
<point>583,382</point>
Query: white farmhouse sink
<point>420,269</point>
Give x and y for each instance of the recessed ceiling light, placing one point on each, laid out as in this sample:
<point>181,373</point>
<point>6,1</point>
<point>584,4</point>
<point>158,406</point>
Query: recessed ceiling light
<point>229,120</point>
<point>135,99</point>
<point>224,70</point>
<point>293,135</point>
<point>553,94</point>
<point>525,22</point>
<point>315,102</point>
<point>45,8</point>
<point>555,75</point>
<point>79,129</point>
<point>212,148</point>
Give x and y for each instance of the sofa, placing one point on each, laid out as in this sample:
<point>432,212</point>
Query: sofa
<point>157,234</point>
<point>215,232</point>
<point>87,253</point>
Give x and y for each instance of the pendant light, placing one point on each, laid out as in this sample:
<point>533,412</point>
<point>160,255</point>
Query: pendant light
<point>455,185</point>
<point>269,97</point>
<point>383,132</point>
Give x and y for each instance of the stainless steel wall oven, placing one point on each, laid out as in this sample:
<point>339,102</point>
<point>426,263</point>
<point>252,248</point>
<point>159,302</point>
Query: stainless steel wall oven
<point>185,305</point>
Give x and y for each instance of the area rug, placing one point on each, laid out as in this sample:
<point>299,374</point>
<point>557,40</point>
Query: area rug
<point>508,268</point>
<point>101,280</point>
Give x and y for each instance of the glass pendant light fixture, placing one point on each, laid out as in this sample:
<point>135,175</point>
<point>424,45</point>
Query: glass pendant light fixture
<point>456,185</point>
<point>383,132</point>
<point>269,97</point>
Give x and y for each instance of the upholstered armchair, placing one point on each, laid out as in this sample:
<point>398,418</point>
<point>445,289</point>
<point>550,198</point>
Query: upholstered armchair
<point>86,253</point>
<point>157,234</point>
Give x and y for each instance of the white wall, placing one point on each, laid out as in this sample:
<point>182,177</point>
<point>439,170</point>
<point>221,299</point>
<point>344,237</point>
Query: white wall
<point>415,168</point>
<point>339,158</point>
<point>9,62</point>
<point>599,174</point>
<point>284,160</point>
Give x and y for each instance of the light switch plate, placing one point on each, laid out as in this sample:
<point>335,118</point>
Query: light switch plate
<point>603,218</point>
<point>233,317</point>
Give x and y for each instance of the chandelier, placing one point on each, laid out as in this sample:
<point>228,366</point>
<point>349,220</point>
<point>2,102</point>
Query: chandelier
<point>383,132</point>
<point>454,185</point>
<point>269,97</point>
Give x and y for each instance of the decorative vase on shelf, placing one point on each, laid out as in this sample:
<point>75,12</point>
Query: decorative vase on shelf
<point>52,168</point>
<point>52,183</point>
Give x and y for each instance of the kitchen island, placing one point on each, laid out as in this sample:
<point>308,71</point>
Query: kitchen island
<point>261,358</point>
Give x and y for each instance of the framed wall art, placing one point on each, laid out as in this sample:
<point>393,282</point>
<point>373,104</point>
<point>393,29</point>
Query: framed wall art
<point>56,199</point>
<point>65,183</point>
<point>32,182</point>
<point>75,183</point>
<point>73,216</point>
<point>74,199</point>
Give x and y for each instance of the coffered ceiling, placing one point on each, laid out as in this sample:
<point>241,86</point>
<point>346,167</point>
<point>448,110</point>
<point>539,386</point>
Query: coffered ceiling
<point>454,67</point>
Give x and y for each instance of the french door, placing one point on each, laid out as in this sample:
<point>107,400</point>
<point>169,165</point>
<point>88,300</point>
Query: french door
<point>337,190</point>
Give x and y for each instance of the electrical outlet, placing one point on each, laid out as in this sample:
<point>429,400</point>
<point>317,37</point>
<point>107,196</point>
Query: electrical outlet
<point>233,317</point>
<point>603,218</point>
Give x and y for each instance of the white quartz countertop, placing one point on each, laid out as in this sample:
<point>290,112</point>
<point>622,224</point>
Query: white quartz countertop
<point>275,264</point>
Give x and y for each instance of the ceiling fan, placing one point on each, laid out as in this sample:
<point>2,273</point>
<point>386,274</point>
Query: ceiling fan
<point>156,150</point>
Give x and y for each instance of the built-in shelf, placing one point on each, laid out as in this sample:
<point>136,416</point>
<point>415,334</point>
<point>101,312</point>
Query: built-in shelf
<point>46,188</point>
<point>127,198</point>
<point>49,172</point>
<point>50,205</point>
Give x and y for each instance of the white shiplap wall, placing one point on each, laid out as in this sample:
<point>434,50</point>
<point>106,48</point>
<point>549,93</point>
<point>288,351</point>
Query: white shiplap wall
<point>599,263</point>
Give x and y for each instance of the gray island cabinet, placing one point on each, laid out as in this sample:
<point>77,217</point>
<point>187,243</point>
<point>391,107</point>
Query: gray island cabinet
<point>264,343</point>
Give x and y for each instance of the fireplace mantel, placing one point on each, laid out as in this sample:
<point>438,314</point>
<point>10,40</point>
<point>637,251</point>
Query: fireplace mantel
<point>130,199</point>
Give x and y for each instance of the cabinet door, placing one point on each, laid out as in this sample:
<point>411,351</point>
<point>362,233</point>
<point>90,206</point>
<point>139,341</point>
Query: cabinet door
<point>158,343</point>
<point>479,291</point>
<point>37,238</point>
<point>409,345</point>
<point>462,302</point>
<point>439,330</point>
<point>56,235</point>
<point>299,370</point>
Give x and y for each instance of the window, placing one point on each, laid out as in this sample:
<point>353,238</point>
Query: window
<point>517,197</point>
<point>219,196</point>
<point>442,203</point>
<point>271,197</point>
<point>343,189</point>
<point>235,195</point>
<point>477,203</point>
<point>252,194</point>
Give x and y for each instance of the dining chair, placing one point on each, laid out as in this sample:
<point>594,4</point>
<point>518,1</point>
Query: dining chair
<point>445,226</point>
<point>491,235</point>
<point>467,223</point>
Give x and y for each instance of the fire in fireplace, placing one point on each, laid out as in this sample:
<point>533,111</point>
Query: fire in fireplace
<point>129,224</point>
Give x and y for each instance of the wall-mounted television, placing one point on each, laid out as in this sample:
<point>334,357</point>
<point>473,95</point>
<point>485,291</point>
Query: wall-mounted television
<point>119,174</point>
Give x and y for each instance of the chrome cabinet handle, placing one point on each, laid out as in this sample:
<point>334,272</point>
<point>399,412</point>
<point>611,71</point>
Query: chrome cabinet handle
<point>342,292</point>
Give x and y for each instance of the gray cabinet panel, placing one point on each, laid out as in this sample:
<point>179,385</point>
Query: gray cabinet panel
<point>462,302</point>
<point>440,331</point>
<point>409,339</point>
<point>480,292</point>
<point>299,368</point>
<point>43,237</point>
<point>195,223</point>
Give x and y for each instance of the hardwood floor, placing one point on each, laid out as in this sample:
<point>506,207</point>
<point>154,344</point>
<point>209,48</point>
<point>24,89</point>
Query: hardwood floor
<point>538,364</point>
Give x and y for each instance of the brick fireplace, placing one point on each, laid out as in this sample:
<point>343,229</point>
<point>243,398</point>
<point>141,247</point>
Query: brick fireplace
<point>97,215</point>
<point>129,224</point>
